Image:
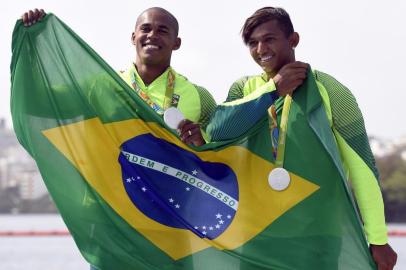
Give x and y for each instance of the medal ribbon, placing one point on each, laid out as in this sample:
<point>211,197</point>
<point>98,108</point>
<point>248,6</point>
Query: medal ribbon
<point>170,86</point>
<point>278,136</point>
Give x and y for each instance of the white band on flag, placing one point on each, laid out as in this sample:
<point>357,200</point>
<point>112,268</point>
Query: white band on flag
<point>185,177</point>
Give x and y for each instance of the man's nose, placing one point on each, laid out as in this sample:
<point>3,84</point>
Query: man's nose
<point>262,48</point>
<point>152,34</point>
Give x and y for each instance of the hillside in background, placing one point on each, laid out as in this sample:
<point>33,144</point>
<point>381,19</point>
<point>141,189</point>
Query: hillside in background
<point>391,161</point>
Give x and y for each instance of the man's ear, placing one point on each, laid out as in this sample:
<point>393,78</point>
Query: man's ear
<point>294,40</point>
<point>133,38</point>
<point>177,44</point>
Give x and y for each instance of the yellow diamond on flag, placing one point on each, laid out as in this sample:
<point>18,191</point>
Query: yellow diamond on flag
<point>93,148</point>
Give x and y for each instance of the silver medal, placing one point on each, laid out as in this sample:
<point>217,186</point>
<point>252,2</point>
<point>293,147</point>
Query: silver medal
<point>173,117</point>
<point>279,179</point>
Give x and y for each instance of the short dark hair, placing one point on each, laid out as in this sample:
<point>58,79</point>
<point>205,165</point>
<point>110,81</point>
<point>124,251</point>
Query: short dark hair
<point>162,10</point>
<point>264,15</point>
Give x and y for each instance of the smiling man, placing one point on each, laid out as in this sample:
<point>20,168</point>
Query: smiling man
<point>155,38</point>
<point>271,40</point>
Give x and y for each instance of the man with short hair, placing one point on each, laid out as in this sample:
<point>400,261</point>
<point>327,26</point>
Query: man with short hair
<point>155,38</point>
<point>271,40</point>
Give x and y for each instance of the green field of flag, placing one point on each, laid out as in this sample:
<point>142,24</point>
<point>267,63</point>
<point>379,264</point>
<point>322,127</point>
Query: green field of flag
<point>135,197</point>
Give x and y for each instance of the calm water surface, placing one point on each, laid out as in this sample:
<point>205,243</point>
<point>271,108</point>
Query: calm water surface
<point>60,253</point>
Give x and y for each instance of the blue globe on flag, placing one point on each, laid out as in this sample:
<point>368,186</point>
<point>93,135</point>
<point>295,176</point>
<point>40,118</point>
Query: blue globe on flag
<point>176,188</point>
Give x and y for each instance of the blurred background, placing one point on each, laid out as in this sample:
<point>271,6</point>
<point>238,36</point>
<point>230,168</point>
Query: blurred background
<point>361,43</point>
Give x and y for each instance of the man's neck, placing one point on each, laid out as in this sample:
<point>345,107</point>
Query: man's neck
<point>270,75</point>
<point>149,73</point>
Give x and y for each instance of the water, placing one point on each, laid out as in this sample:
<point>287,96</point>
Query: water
<point>38,253</point>
<point>60,253</point>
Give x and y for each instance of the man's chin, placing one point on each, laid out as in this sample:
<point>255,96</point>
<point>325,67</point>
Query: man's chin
<point>151,61</point>
<point>266,67</point>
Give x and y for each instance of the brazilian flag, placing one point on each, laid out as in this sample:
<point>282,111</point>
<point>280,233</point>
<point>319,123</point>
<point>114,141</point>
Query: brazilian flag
<point>135,197</point>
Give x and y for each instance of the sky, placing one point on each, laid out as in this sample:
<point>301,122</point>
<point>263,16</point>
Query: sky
<point>361,43</point>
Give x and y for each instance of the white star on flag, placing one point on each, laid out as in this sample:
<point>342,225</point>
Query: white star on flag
<point>194,172</point>
<point>217,226</point>
<point>177,206</point>
<point>204,227</point>
<point>204,232</point>
<point>187,188</point>
<point>171,200</point>
<point>221,221</point>
<point>228,216</point>
<point>128,180</point>
<point>219,215</point>
<point>144,189</point>
<point>138,177</point>
<point>211,228</point>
